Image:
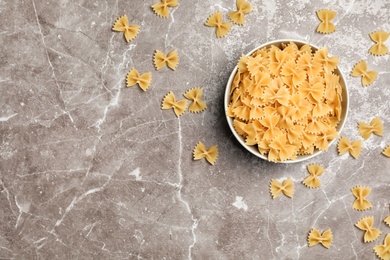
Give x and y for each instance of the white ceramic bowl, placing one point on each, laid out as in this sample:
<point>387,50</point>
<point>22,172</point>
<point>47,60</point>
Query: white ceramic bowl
<point>253,149</point>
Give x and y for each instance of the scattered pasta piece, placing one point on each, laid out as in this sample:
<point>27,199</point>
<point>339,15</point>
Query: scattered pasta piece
<point>361,203</point>
<point>143,80</point>
<point>222,28</point>
<point>383,251</point>
<point>371,233</point>
<point>129,31</point>
<point>292,95</point>
<point>195,95</point>
<point>345,146</point>
<point>387,221</point>
<point>315,238</point>
<point>379,38</point>
<point>375,127</point>
<point>360,69</point>
<point>210,154</point>
<point>314,170</point>
<point>287,187</point>
<point>169,101</point>
<point>325,16</point>
<point>386,151</point>
<point>171,60</point>
<point>162,8</point>
<point>243,8</point>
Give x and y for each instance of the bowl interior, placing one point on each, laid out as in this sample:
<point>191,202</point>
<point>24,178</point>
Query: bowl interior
<point>253,149</point>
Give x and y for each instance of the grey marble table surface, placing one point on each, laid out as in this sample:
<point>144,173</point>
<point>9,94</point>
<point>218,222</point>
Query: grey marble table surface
<point>90,169</point>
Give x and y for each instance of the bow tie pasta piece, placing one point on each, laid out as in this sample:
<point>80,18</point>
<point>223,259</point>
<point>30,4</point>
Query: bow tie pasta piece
<point>326,16</point>
<point>210,154</point>
<point>243,8</point>
<point>370,233</point>
<point>361,203</point>
<point>270,122</point>
<point>387,221</point>
<point>305,62</point>
<point>129,31</point>
<point>379,38</point>
<point>169,101</point>
<point>368,76</point>
<point>222,28</point>
<point>329,63</point>
<point>162,8</point>
<point>322,142</point>
<point>143,80</point>
<point>195,95</point>
<point>290,69</point>
<point>345,146</point>
<point>315,238</point>
<point>386,151</point>
<point>285,150</point>
<point>375,127</point>
<point>286,187</point>
<point>312,181</point>
<point>383,251</point>
<point>171,60</point>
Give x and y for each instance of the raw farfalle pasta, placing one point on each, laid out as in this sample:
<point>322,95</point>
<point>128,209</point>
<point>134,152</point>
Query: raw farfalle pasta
<point>222,28</point>
<point>162,8</point>
<point>371,233</point>
<point>312,180</point>
<point>315,238</point>
<point>375,126</point>
<point>379,38</point>
<point>386,151</point>
<point>210,154</point>
<point>243,8</point>
<point>368,76</point>
<point>387,221</point>
<point>122,25</point>
<point>197,104</point>
<point>286,187</point>
<point>171,60</point>
<point>326,16</point>
<point>361,193</point>
<point>169,101</point>
<point>345,146</point>
<point>383,251</point>
<point>289,97</point>
<point>143,80</point>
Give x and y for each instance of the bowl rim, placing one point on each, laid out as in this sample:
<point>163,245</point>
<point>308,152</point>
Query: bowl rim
<point>300,158</point>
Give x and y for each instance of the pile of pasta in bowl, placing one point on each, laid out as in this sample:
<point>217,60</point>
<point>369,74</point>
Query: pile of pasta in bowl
<point>286,101</point>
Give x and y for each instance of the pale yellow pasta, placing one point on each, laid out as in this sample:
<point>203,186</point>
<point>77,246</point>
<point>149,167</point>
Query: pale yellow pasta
<point>197,104</point>
<point>361,193</point>
<point>386,151</point>
<point>222,28</point>
<point>387,221</point>
<point>326,16</point>
<point>211,154</point>
<point>243,8</point>
<point>345,146</point>
<point>383,251</point>
<point>171,60</point>
<point>312,180</point>
<point>286,187</point>
<point>162,8</point>
<point>144,80</point>
<point>375,126</point>
<point>288,92</point>
<point>169,101</point>
<point>315,237</point>
<point>370,233</point>
<point>379,48</point>
<point>129,31</point>
<point>368,76</point>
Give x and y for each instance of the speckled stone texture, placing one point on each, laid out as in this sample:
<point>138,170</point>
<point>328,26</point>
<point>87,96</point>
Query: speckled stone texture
<point>91,169</point>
